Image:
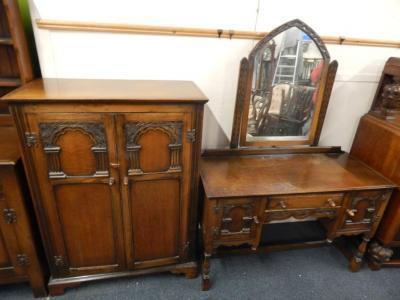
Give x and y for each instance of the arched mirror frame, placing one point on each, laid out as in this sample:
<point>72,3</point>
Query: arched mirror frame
<point>240,119</point>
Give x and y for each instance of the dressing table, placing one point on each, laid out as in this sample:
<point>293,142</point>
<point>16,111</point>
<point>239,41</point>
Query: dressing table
<point>274,172</point>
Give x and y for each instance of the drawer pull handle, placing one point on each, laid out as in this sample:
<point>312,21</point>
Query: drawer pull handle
<point>350,212</point>
<point>282,204</point>
<point>256,221</point>
<point>111,181</point>
<point>331,203</point>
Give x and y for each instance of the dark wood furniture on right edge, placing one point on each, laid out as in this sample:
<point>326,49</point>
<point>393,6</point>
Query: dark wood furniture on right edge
<point>377,143</point>
<point>283,93</point>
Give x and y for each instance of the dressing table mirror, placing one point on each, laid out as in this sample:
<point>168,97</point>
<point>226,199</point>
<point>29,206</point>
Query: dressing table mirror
<point>280,98</point>
<point>274,171</point>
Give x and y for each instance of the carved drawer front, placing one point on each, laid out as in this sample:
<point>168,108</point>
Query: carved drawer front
<point>237,219</point>
<point>362,210</point>
<point>303,206</point>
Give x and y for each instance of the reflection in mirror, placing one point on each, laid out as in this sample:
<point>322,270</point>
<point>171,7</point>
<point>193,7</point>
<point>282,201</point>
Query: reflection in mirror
<point>285,82</point>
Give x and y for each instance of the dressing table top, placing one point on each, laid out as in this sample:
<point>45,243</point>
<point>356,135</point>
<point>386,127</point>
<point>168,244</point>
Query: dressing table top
<point>263,175</point>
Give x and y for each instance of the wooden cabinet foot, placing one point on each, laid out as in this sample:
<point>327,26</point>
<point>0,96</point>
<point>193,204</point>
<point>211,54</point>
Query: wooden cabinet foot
<point>59,289</point>
<point>39,291</point>
<point>39,286</point>
<point>355,264</point>
<point>189,272</point>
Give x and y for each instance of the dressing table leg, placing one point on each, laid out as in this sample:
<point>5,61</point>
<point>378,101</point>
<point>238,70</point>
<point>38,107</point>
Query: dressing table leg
<point>205,284</point>
<point>357,259</point>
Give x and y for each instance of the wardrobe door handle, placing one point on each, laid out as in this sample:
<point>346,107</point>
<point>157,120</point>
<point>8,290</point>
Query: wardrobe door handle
<point>111,181</point>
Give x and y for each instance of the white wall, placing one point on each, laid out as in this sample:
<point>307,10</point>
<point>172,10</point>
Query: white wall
<point>214,63</point>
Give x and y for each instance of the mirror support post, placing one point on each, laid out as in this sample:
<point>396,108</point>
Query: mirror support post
<point>325,99</point>
<point>240,94</point>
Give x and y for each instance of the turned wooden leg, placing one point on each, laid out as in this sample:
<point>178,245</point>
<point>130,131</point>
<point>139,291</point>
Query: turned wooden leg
<point>357,259</point>
<point>377,255</point>
<point>205,277</point>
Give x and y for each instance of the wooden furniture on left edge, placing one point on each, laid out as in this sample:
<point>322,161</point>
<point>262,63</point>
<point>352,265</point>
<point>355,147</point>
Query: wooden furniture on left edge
<point>15,62</point>
<point>20,248</point>
<point>20,252</point>
<point>113,171</point>
<point>274,171</point>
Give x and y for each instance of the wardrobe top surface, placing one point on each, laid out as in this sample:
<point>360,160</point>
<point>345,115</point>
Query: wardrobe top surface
<point>255,175</point>
<point>51,89</point>
<point>9,149</point>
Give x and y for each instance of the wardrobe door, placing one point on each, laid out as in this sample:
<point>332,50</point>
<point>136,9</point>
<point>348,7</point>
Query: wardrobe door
<point>156,166</point>
<point>73,157</point>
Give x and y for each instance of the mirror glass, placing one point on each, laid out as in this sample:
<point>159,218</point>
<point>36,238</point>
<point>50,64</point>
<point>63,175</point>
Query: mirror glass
<point>286,76</point>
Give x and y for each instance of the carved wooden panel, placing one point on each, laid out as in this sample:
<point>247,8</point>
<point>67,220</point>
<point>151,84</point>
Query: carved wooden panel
<point>364,206</point>
<point>68,142</point>
<point>300,214</point>
<point>294,23</point>
<point>164,150</point>
<point>237,219</point>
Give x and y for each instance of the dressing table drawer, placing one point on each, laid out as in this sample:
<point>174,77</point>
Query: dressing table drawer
<point>333,200</point>
<point>237,219</point>
<point>362,211</point>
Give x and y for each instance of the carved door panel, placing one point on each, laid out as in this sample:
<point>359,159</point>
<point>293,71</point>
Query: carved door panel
<point>79,191</point>
<point>156,169</point>
<point>363,210</point>
<point>238,219</point>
